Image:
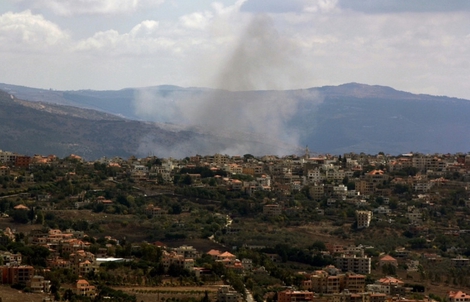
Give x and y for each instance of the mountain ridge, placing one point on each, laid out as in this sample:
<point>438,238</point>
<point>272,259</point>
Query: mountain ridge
<point>351,117</point>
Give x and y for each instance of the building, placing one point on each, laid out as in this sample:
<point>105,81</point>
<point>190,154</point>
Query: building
<point>187,251</point>
<point>7,157</point>
<point>83,288</point>
<point>389,286</point>
<point>272,210</point>
<point>317,192</point>
<point>38,284</point>
<point>353,297</point>
<point>363,219</point>
<point>314,176</point>
<point>22,161</point>
<point>10,258</point>
<point>388,260</point>
<point>359,265</point>
<point>226,294</point>
<point>16,274</point>
<point>178,260</point>
<point>154,211</point>
<point>460,262</point>
<point>458,296</point>
<point>322,282</point>
<point>295,296</point>
<point>4,171</point>
<point>82,262</point>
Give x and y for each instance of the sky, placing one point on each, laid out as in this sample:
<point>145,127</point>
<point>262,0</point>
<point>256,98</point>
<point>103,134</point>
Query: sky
<point>421,46</point>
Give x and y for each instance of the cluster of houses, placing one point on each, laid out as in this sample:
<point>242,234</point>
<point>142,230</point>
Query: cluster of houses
<point>351,178</point>
<point>293,295</point>
<point>356,179</point>
<point>79,260</point>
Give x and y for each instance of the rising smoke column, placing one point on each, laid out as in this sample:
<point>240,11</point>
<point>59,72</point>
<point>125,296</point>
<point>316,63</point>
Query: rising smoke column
<point>245,120</point>
<point>262,59</point>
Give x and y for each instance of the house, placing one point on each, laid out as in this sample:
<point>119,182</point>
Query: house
<point>388,260</point>
<point>4,171</point>
<point>154,211</point>
<point>38,284</point>
<point>214,253</point>
<point>226,294</point>
<point>414,215</point>
<point>83,288</point>
<point>272,210</point>
<point>458,296</point>
<point>10,258</point>
<point>247,263</point>
<point>390,281</point>
<point>460,262</point>
<point>21,207</point>
<point>187,251</point>
<point>175,259</point>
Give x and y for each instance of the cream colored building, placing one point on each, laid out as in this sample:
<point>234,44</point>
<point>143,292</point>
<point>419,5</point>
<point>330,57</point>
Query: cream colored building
<point>363,219</point>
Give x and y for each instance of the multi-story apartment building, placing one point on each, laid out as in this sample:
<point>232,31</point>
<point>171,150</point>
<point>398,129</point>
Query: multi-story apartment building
<point>38,284</point>
<point>353,297</point>
<point>187,251</point>
<point>295,296</point>
<point>334,174</point>
<point>226,294</point>
<point>363,219</point>
<point>178,260</point>
<point>7,157</point>
<point>15,274</point>
<point>314,176</point>
<point>359,265</point>
<point>323,283</point>
<point>22,161</point>
<point>220,159</point>
<point>317,192</point>
<point>82,262</point>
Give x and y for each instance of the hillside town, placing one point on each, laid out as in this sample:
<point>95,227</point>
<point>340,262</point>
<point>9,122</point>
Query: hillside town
<point>311,227</point>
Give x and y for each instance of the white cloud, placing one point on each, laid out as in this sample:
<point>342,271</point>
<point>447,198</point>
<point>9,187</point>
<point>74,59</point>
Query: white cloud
<point>425,51</point>
<point>145,28</point>
<point>80,7</point>
<point>197,20</point>
<point>321,6</point>
<point>191,35</point>
<point>143,39</point>
<point>27,32</point>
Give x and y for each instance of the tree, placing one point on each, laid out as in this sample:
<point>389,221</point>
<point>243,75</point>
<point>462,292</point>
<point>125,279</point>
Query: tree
<point>247,156</point>
<point>389,269</point>
<point>206,297</point>
<point>20,216</point>
<point>176,209</point>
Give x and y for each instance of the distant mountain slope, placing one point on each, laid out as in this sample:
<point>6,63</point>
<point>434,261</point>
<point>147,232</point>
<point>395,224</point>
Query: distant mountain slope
<point>42,128</point>
<point>47,129</point>
<point>334,119</point>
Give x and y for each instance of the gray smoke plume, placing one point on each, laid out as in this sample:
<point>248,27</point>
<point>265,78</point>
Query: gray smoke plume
<point>243,118</point>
